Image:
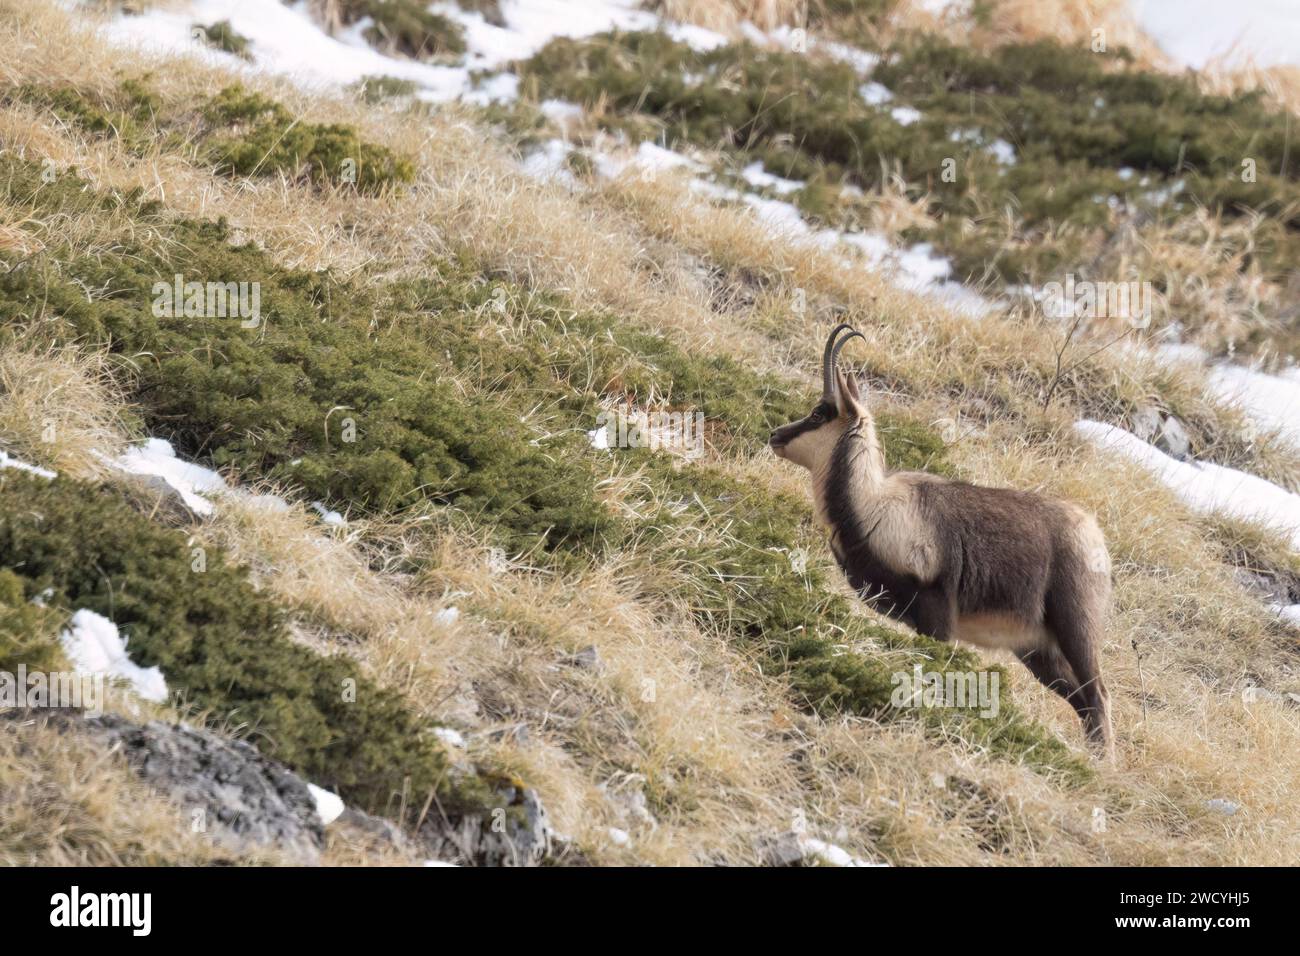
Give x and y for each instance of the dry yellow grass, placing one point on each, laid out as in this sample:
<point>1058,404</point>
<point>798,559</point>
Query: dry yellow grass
<point>713,726</point>
<point>65,801</point>
<point>61,406</point>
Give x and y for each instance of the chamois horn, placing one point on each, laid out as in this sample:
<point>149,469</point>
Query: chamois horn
<point>828,362</point>
<point>831,357</point>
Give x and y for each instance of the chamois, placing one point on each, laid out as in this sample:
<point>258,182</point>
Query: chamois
<point>995,567</point>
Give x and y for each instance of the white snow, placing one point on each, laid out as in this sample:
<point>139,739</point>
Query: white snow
<point>329,807</point>
<point>548,163</point>
<point>287,40</point>
<point>785,38</point>
<point>8,461</point>
<point>832,855</point>
<point>1203,486</point>
<point>331,518</point>
<point>560,110</point>
<point>1288,612</point>
<point>905,115</point>
<point>94,646</point>
<point>1003,152</point>
<point>920,265</point>
<point>875,94</point>
<point>1197,32</point>
<point>756,175</point>
<point>190,481</point>
<point>1272,401</point>
<point>497,88</point>
<point>450,737</point>
<point>782,217</point>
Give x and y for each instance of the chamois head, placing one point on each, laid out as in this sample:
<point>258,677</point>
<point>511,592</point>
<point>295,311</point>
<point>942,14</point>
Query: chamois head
<point>811,441</point>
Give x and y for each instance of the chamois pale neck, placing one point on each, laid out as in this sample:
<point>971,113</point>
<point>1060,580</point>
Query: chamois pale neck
<point>856,470</point>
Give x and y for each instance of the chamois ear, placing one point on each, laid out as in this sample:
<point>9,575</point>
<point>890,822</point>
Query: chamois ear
<point>847,397</point>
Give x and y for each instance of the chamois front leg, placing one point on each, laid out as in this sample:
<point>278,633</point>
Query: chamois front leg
<point>935,613</point>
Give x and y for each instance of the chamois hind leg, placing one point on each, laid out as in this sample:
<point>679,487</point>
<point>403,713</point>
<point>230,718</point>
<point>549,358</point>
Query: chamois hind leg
<point>1080,642</point>
<point>935,614</point>
<point>1053,671</point>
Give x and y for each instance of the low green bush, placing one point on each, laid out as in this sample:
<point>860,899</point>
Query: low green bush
<point>220,643</point>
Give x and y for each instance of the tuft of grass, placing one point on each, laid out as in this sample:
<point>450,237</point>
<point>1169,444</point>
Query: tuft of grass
<point>222,36</point>
<point>376,89</point>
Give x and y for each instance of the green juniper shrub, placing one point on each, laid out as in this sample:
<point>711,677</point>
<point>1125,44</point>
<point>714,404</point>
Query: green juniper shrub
<point>249,134</point>
<point>274,401</point>
<point>217,640</point>
<point>408,27</point>
<point>27,626</point>
<point>241,133</point>
<point>127,113</point>
<point>223,36</point>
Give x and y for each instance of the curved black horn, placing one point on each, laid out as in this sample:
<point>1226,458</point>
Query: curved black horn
<point>828,356</point>
<point>835,353</point>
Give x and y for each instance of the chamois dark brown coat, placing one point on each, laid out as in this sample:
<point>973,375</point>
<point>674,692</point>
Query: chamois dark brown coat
<point>990,566</point>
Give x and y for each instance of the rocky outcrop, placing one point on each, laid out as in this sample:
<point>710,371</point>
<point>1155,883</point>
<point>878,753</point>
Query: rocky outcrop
<point>226,788</point>
<point>244,800</point>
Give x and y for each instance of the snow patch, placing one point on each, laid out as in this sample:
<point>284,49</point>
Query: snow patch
<point>905,115</point>
<point>832,855</point>
<point>329,807</point>
<point>1198,32</point>
<point>331,518</point>
<point>8,461</point>
<point>157,458</point>
<point>1271,401</point>
<point>1206,488</point>
<point>450,737</point>
<point>756,175</point>
<point>875,94</point>
<point>94,646</point>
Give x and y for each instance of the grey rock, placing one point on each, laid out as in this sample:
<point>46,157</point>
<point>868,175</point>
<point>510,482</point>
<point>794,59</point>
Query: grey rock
<point>249,800</point>
<point>1227,807</point>
<point>156,498</point>
<point>381,830</point>
<point>514,733</point>
<point>588,658</point>
<point>1173,439</point>
<point>784,849</point>
<point>1145,422</point>
<point>246,800</point>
